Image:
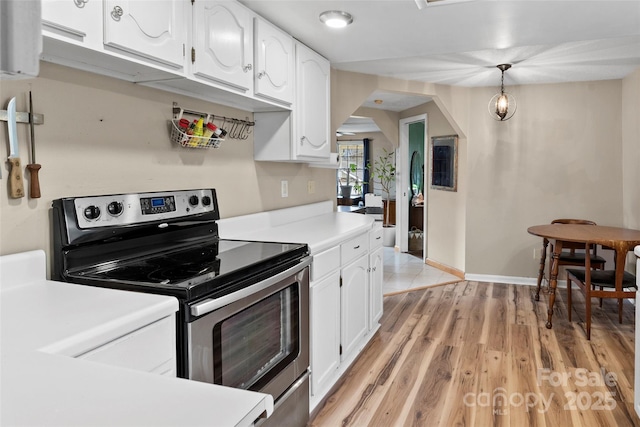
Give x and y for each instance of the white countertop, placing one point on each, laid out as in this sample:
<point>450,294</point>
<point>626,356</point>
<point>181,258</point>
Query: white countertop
<point>41,317</point>
<point>319,232</point>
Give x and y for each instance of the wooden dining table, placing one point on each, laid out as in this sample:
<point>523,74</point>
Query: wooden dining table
<point>622,240</point>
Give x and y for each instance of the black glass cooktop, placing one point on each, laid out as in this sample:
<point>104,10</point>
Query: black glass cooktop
<point>190,272</point>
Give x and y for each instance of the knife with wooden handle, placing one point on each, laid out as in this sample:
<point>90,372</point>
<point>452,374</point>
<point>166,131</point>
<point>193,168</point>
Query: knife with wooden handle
<point>33,167</point>
<point>16,184</point>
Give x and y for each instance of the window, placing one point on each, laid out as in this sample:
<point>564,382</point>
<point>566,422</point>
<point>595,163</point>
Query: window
<point>352,169</point>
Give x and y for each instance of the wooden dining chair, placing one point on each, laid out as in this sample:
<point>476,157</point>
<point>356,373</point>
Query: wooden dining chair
<point>575,254</point>
<point>572,253</point>
<point>605,280</point>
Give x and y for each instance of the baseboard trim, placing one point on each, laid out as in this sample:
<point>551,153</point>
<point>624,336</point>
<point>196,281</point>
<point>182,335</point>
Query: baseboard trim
<point>515,280</point>
<point>445,268</point>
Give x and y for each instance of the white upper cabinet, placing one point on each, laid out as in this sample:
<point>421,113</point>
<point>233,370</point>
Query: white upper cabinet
<point>312,104</point>
<point>77,21</point>
<point>273,62</point>
<point>223,43</point>
<point>301,135</point>
<point>153,30</point>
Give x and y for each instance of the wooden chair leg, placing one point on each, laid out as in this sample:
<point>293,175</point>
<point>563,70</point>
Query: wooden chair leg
<point>620,304</point>
<point>569,297</point>
<point>601,299</point>
<point>588,297</point>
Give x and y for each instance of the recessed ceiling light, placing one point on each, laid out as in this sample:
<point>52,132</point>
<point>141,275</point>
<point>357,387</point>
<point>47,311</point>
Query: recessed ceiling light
<point>378,101</point>
<point>336,18</point>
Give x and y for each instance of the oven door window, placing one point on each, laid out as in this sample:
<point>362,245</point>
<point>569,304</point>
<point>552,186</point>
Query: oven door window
<point>252,346</point>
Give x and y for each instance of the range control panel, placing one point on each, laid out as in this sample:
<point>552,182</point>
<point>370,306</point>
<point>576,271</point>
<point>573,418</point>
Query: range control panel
<point>126,209</point>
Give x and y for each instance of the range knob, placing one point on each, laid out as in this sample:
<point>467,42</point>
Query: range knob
<point>193,200</point>
<point>91,212</point>
<point>206,200</point>
<point>115,208</point>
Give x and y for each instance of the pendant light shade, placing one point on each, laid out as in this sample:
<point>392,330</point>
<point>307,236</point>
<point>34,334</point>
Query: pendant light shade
<point>502,105</point>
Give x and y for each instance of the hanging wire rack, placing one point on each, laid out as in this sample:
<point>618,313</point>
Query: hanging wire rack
<point>231,128</point>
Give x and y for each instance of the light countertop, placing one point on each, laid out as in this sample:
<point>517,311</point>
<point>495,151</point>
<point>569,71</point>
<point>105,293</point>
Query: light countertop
<point>43,323</point>
<point>319,232</point>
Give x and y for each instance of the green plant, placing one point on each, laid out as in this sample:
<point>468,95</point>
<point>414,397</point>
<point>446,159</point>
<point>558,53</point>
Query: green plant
<point>352,169</point>
<point>383,171</point>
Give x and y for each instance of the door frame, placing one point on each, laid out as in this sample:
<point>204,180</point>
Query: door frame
<point>402,185</point>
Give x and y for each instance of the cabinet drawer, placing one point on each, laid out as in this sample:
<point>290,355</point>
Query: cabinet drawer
<point>150,349</point>
<point>325,262</point>
<point>375,238</point>
<point>354,248</point>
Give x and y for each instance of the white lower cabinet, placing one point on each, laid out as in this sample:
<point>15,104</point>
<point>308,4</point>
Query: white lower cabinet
<point>325,330</point>
<point>346,305</point>
<point>376,277</point>
<point>151,348</point>
<point>353,305</point>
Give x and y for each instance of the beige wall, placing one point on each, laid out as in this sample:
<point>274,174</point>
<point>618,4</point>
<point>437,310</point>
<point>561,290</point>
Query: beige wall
<point>104,136</point>
<point>446,225</point>
<point>445,209</point>
<point>558,157</point>
<point>631,149</point>
<point>561,155</point>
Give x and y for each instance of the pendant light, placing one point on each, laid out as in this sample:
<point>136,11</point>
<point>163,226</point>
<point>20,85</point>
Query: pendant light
<point>502,105</point>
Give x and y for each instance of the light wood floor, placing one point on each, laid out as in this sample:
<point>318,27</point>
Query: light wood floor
<point>478,354</point>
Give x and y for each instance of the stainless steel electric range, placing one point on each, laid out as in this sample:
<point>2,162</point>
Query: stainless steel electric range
<point>244,306</point>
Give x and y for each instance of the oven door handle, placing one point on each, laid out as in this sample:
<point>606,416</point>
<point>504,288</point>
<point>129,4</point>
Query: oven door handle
<point>211,304</point>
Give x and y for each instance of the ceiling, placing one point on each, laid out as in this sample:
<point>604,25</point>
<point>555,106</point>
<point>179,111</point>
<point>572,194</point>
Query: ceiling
<point>460,42</point>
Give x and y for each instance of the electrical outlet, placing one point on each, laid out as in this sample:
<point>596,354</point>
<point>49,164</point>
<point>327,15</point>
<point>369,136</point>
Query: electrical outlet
<point>284,188</point>
<point>311,187</point>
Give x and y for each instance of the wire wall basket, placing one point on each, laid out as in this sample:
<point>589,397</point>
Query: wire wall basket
<point>227,128</point>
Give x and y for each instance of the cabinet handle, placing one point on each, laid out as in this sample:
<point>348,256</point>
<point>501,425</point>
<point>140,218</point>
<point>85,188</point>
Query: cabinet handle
<point>302,139</point>
<point>356,247</point>
<point>80,3</point>
<point>261,74</point>
<point>247,68</point>
<point>117,13</point>
<point>379,237</point>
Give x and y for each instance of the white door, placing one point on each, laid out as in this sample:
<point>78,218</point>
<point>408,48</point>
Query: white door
<point>223,43</point>
<point>325,331</point>
<point>274,62</point>
<point>152,30</point>
<point>312,104</point>
<point>375,286</point>
<point>354,305</point>
<point>403,192</point>
<point>77,20</point>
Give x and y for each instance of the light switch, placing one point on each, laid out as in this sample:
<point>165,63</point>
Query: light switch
<point>284,188</point>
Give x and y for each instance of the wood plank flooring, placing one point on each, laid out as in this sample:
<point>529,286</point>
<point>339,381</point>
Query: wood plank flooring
<point>479,354</point>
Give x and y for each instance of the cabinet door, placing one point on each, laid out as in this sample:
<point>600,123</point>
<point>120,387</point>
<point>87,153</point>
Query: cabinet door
<point>223,43</point>
<point>354,305</point>
<point>152,30</point>
<point>274,62</point>
<point>325,331</point>
<point>77,20</point>
<point>376,276</point>
<point>312,104</point>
